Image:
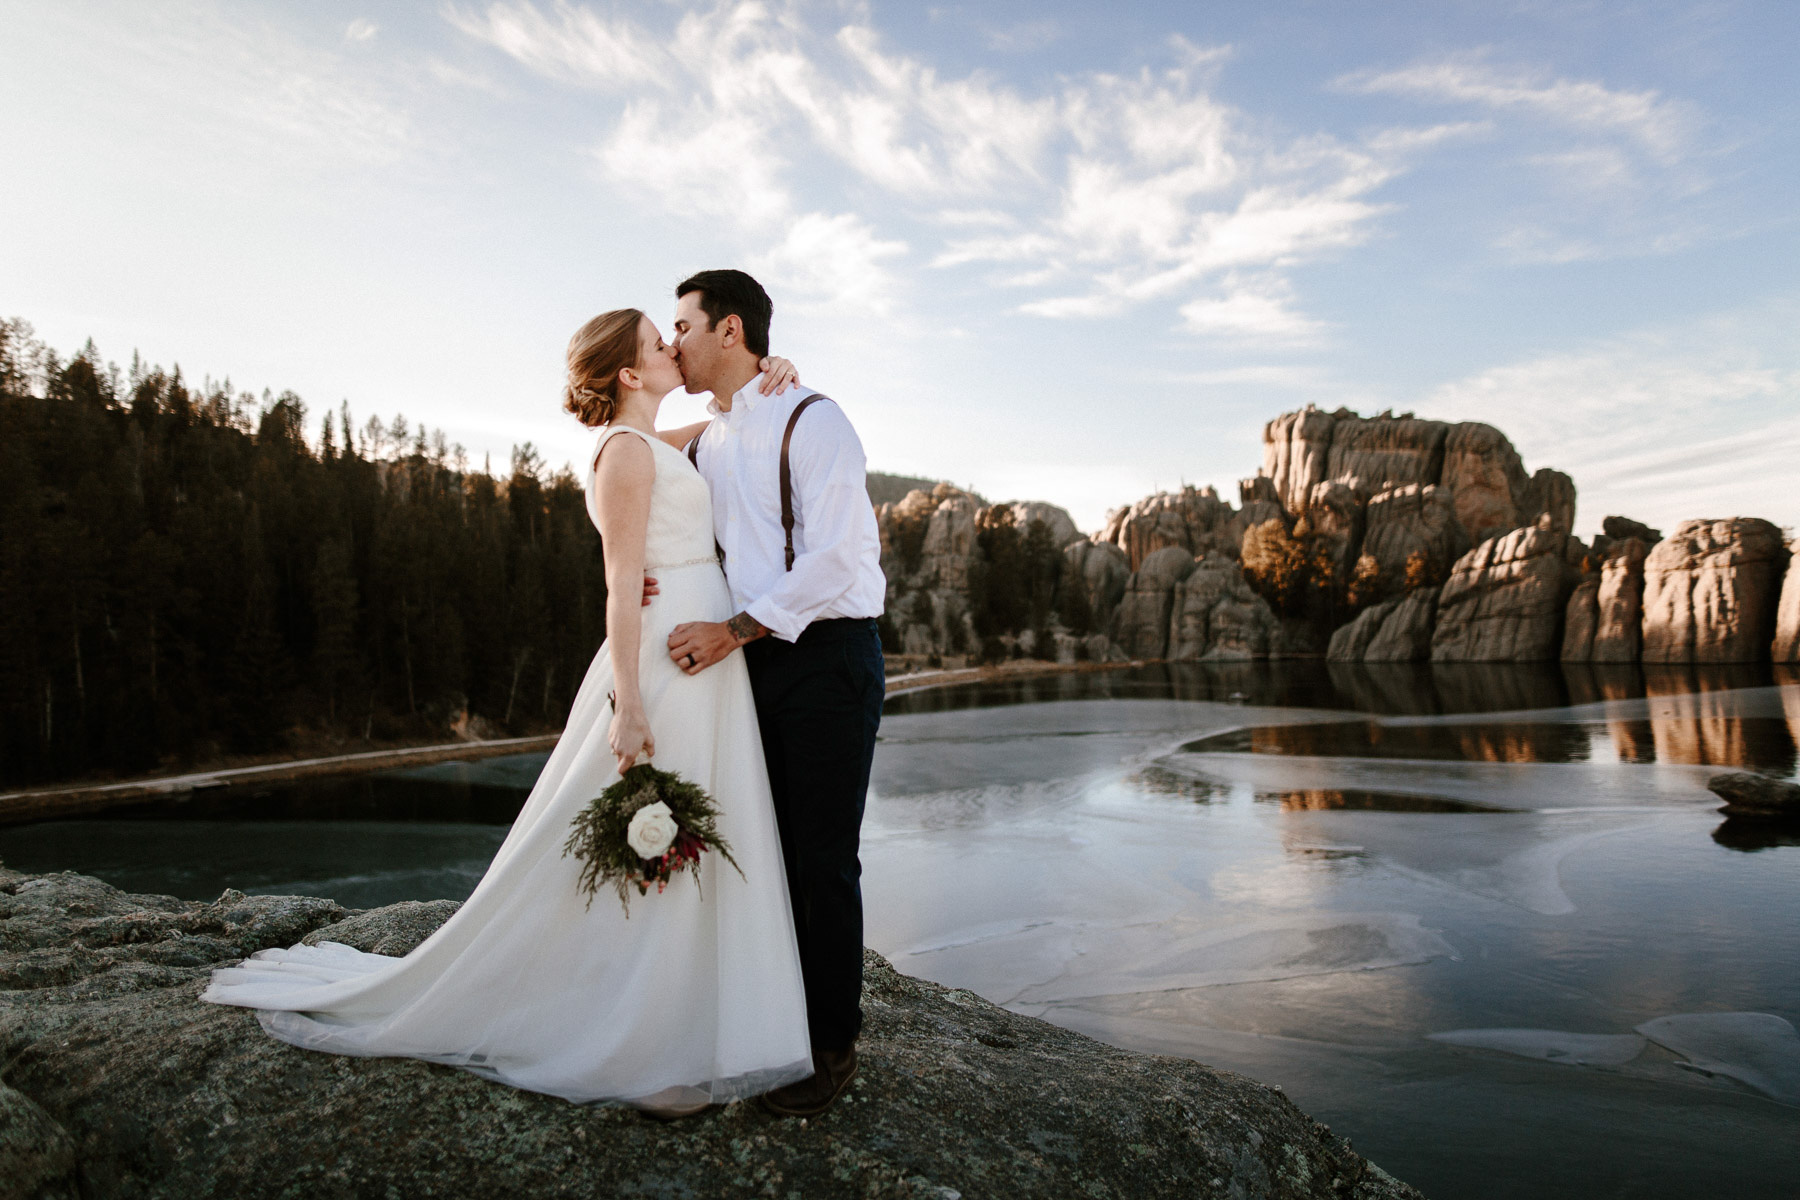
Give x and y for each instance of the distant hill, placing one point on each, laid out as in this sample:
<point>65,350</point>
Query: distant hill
<point>891,489</point>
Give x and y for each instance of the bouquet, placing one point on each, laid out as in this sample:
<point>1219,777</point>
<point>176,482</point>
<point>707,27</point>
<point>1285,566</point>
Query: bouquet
<point>642,830</point>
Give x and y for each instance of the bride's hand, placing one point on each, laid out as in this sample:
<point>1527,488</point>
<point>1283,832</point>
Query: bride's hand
<point>630,736</point>
<point>778,375</point>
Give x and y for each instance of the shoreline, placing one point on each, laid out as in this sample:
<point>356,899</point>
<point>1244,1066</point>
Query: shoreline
<point>81,799</point>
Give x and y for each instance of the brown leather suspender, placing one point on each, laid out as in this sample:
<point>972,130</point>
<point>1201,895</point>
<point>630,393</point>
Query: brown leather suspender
<point>787,474</point>
<point>787,481</point>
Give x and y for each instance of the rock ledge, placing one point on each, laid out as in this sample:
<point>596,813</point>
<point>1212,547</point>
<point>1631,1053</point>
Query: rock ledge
<point>119,1082</point>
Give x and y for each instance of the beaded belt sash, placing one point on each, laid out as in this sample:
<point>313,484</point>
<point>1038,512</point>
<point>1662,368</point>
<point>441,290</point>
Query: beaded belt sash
<point>690,562</point>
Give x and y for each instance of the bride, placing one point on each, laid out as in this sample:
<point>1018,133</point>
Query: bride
<point>696,999</point>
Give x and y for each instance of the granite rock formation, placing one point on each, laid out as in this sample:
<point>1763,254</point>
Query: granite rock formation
<point>1193,519</point>
<point>1214,616</point>
<point>1604,620</point>
<point>1504,600</point>
<point>119,1082</point>
<point>1140,626</point>
<point>1786,648</point>
<point>1711,590</point>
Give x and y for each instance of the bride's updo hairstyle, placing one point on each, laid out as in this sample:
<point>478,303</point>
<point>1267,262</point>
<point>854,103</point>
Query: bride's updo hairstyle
<point>599,350</point>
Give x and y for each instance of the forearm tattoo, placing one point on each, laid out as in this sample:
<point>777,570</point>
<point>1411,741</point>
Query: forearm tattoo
<point>745,628</point>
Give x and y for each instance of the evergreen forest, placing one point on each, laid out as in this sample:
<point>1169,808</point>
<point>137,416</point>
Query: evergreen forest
<point>186,576</point>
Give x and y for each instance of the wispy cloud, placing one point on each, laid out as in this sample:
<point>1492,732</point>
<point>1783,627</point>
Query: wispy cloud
<point>361,30</point>
<point>1095,194</point>
<point>1663,127</point>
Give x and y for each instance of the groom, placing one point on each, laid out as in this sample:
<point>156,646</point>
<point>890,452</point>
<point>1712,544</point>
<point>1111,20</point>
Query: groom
<point>791,511</point>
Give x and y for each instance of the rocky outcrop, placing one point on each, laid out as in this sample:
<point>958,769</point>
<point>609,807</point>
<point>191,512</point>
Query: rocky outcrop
<point>1057,521</point>
<point>1604,618</point>
<point>1786,648</point>
<point>1711,590</point>
<point>1413,519</point>
<point>1214,616</point>
<point>1193,519</point>
<point>119,1082</point>
<point>1393,631</point>
<point>1140,627</point>
<point>1504,600</point>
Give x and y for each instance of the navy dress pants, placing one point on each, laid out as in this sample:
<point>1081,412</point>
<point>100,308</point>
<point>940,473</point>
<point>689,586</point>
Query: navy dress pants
<point>818,700</point>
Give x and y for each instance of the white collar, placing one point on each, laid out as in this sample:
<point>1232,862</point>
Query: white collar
<point>746,400</point>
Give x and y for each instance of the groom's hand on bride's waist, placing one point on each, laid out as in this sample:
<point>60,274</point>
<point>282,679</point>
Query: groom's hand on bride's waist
<point>697,645</point>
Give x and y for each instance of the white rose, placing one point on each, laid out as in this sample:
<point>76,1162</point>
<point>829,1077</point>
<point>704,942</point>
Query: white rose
<point>652,830</point>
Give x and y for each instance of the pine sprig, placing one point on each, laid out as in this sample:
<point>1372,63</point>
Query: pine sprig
<point>597,836</point>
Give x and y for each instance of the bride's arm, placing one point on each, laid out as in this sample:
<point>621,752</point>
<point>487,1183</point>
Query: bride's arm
<point>679,438</point>
<point>626,473</point>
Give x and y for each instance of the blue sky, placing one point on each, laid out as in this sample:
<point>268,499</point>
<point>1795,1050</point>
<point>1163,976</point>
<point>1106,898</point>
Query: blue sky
<point>1056,252</point>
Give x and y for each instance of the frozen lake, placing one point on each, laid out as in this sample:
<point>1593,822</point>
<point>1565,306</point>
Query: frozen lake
<point>1483,921</point>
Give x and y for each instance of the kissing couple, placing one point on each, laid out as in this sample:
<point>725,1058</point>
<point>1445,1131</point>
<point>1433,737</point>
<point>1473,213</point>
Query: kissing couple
<point>761,681</point>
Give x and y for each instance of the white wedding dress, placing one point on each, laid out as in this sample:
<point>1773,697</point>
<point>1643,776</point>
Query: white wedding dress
<point>696,997</point>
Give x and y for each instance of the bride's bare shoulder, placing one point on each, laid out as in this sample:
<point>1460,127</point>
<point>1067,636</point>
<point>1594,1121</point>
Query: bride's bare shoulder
<point>624,459</point>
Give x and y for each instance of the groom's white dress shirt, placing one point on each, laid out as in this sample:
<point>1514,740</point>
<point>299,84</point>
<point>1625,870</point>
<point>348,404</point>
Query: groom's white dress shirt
<point>837,547</point>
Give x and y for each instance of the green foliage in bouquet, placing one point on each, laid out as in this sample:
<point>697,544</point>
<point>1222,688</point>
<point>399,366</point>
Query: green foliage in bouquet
<point>600,834</point>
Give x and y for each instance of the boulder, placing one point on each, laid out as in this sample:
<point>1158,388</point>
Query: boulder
<point>168,1097</point>
<point>1406,632</point>
<point>1141,624</point>
<point>1711,590</point>
<point>1214,616</point>
<point>1504,600</point>
<point>1786,647</point>
<point>1486,479</point>
<point>1351,641</point>
<point>1756,796</point>
<point>1057,520</point>
<point>1413,519</point>
<point>949,549</point>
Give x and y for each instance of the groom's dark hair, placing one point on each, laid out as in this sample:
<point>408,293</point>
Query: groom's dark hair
<point>731,293</point>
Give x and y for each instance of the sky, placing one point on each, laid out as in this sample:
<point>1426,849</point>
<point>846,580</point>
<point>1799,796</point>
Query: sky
<point>1045,250</point>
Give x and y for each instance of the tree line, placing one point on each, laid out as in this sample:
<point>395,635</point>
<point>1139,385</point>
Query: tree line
<point>185,576</point>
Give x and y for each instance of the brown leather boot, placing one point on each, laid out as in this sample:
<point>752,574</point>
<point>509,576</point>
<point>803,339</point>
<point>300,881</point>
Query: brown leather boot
<point>832,1072</point>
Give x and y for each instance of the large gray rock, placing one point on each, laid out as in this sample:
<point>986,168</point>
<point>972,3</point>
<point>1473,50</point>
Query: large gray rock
<point>1711,590</point>
<point>1351,641</point>
<point>1215,616</point>
<point>165,1097</point>
<point>1141,623</point>
<point>1549,499</point>
<point>1394,631</point>
<point>1332,525</point>
<point>1504,600</point>
<point>1621,528</point>
<point>1405,634</point>
<point>1756,796</point>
